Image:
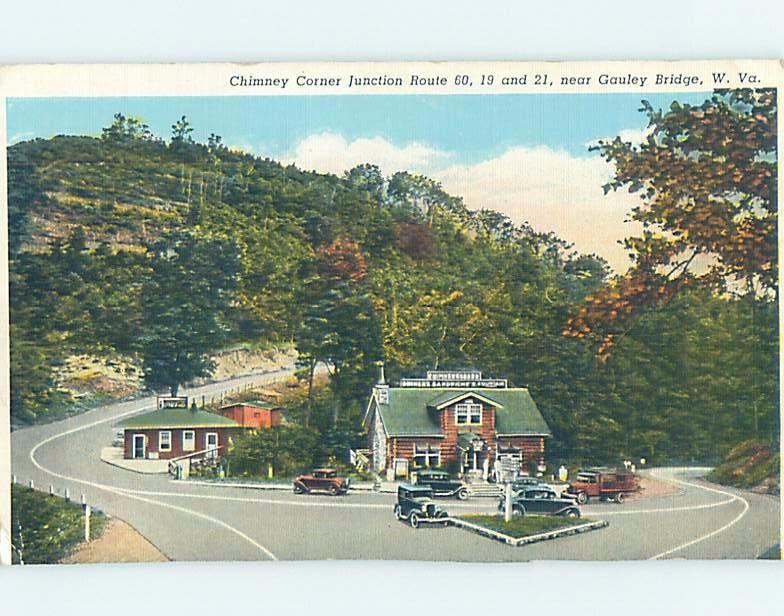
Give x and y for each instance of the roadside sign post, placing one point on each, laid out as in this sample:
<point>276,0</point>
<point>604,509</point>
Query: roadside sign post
<point>508,507</point>
<point>510,467</point>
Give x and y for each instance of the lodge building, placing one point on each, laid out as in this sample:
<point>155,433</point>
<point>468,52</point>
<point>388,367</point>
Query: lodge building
<point>452,418</point>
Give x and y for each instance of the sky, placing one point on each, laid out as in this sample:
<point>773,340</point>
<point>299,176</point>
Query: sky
<point>525,155</point>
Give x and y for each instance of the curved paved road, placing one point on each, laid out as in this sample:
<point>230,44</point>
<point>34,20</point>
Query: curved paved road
<point>196,522</point>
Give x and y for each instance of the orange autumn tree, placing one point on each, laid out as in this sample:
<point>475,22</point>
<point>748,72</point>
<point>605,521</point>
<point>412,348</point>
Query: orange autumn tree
<point>706,175</point>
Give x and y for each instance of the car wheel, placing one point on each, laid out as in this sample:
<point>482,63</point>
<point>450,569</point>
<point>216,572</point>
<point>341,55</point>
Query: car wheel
<point>334,490</point>
<point>620,497</point>
<point>413,520</point>
<point>518,511</point>
<point>444,519</point>
<point>298,489</point>
<point>398,512</point>
<point>582,498</point>
<point>462,493</point>
<point>572,513</point>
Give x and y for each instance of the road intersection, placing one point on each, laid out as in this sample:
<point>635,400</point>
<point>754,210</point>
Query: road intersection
<point>190,521</point>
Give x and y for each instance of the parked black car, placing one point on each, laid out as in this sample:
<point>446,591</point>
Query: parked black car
<point>540,500</point>
<point>523,483</point>
<point>415,504</point>
<point>442,484</point>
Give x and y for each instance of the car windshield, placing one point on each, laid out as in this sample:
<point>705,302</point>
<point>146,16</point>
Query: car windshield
<point>586,477</point>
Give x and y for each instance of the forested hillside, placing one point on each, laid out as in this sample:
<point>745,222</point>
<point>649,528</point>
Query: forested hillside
<point>153,248</point>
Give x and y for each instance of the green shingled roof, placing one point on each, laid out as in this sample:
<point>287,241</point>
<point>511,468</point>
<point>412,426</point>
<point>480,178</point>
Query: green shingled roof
<point>262,404</point>
<point>179,418</point>
<point>451,394</point>
<point>407,414</point>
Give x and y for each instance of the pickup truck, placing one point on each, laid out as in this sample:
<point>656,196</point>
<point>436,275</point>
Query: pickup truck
<point>603,484</point>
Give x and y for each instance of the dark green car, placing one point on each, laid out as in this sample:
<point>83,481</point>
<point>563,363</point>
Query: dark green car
<point>415,505</point>
<point>442,484</point>
<point>540,500</point>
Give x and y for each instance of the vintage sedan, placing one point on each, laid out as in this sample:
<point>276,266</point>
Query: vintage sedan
<point>524,482</point>
<point>415,505</point>
<point>442,484</point>
<point>540,500</point>
<point>322,480</point>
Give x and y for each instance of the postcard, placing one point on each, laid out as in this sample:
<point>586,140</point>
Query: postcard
<point>481,312</point>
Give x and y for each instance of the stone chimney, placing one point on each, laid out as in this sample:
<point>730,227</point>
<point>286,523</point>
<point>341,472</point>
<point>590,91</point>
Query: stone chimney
<point>381,380</point>
<point>381,388</point>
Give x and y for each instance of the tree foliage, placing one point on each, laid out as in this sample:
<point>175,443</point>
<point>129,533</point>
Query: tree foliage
<point>706,175</point>
<point>194,246</point>
<point>286,449</point>
<point>184,304</point>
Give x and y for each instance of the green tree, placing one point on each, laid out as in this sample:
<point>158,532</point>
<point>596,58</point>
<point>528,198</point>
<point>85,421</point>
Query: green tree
<point>338,326</point>
<point>182,131</point>
<point>185,302</point>
<point>126,130</point>
<point>285,449</point>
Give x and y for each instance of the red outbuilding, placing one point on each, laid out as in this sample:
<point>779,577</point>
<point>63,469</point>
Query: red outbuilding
<point>175,432</point>
<point>255,414</point>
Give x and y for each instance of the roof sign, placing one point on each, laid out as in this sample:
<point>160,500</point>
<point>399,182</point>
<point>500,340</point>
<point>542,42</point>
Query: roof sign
<point>172,402</point>
<point>460,379</point>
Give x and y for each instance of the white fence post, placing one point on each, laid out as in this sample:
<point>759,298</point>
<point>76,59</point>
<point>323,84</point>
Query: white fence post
<point>87,523</point>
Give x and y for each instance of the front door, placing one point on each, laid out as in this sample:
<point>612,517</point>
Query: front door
<point>139,446</point>
<point>212,444</point>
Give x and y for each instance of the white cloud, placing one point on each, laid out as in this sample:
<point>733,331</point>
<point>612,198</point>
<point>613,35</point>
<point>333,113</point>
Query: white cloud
<point>635,136</point>
<point>332,153</point>
<point>553,191</point>
<point>550,189</point>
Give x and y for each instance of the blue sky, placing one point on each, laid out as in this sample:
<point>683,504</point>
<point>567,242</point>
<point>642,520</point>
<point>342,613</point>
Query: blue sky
<point>525,155</point>
<point>473,126</point>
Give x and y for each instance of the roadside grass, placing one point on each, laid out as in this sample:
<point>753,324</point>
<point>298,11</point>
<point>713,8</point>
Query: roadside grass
<point>750,464</point>
<point>45,529</point>
<point>523,526</point>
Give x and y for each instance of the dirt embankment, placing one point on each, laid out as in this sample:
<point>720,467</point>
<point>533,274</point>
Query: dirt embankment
<point>116,377</point>
<point>119,543</point>
<point>240,362</point>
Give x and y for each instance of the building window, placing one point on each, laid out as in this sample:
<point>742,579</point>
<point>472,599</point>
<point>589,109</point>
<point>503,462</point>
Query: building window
<point>164,440</point>
<point>188,440</point>
<point>427,455</point>
<point>468,413</point>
